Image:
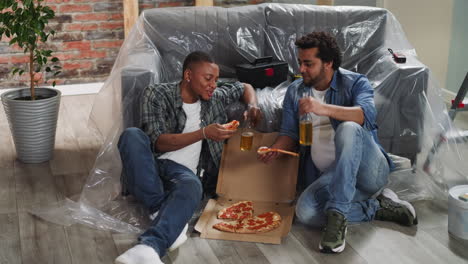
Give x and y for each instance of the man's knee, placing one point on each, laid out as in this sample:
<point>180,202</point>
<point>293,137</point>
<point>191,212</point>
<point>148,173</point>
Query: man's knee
<point>192,187</point>
<point>349,127</point>
<point>348,130</point>
<point>131,135</point>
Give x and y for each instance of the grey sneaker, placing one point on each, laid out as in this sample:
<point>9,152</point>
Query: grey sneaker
<point>395,210</point>
<point>333,235</point>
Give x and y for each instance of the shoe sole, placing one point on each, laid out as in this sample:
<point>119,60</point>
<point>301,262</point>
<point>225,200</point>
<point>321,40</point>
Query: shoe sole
<point>394,197</point>
<point>334,250</point>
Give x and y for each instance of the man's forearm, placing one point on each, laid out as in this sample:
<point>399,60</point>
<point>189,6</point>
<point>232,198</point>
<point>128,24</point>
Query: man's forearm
<point>286,143</point>
<point>249,95</point>
<point>344,113</point>
<point>172,142</point>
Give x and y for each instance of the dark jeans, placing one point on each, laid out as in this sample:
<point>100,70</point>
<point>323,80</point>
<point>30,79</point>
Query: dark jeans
<point>161,185</point>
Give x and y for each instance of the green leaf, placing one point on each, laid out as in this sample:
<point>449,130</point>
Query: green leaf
<point>57,73</point>
<point>55,59</point>
<point>47,69</point>
<point>53,84</point>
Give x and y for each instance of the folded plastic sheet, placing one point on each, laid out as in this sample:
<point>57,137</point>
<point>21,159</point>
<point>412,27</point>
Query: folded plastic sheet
<point>411,113</point>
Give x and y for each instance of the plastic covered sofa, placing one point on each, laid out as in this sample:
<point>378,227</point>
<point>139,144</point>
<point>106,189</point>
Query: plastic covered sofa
<point>239,35</point>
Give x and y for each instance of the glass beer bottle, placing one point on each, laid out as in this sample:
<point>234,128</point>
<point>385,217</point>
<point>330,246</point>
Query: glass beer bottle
<point>305,123</point>
<point>247,136</point>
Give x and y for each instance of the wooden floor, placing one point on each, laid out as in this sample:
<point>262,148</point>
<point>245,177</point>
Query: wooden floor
<point>27,239</point>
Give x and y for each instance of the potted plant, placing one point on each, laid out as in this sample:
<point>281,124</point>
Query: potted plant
<point>32,112</point>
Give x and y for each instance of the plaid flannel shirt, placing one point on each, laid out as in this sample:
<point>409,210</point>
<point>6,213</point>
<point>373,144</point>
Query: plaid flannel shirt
<point>162,113</point>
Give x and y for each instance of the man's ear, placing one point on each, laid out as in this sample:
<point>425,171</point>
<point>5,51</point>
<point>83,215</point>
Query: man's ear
<point>328,65</point>
<point>187,75</point>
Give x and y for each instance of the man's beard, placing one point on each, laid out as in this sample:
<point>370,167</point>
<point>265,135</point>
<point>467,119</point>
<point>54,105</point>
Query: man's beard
<point>317,79</point>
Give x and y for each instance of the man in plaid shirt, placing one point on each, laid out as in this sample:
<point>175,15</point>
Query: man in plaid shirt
<point>181,134</point>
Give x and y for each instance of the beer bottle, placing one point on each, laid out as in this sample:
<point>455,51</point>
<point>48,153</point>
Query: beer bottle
<point>305,122</point>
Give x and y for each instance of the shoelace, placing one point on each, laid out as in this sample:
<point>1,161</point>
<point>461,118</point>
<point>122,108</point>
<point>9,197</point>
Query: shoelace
<point>390,210</point>
<point>333,230</point>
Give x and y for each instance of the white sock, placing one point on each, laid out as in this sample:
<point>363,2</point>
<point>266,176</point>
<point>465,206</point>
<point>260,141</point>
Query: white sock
<point>139,254</point>
<point>180,239</point>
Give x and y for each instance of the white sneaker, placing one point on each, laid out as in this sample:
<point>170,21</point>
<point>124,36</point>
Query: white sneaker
<point>180,239</point>
<point>394,197</point>
<point>139,254</point>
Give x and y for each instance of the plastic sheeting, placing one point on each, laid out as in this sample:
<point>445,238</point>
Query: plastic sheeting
<point>411,113</point>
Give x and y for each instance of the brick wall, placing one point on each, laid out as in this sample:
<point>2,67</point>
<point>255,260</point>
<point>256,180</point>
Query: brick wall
<point>88,39</point>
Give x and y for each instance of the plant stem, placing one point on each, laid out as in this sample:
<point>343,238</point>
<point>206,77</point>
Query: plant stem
<point>31,71</point>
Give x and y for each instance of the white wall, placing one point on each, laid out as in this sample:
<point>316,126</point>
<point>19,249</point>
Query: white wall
<point>428,26</point>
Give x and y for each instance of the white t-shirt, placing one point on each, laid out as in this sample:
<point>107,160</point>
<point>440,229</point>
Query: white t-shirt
<point>323,145</point>
<point>189,155</point>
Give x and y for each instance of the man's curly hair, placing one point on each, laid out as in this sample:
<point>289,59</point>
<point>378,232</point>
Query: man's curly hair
<point>328,49</point>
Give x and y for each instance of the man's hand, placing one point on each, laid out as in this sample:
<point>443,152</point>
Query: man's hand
<point>312,105</point>
<point>268,157</point>
<point>343,113</point>
<point>282,142</point>
<point>253,114</point>
<point>217,132</point>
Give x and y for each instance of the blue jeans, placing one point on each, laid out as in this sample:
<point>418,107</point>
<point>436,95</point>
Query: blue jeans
<point>359,171</point>
<point>161,185</point>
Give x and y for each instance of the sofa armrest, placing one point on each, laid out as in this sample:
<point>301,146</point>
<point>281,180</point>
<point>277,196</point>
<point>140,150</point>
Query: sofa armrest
<point>133,81</point>
<point>400,91</point>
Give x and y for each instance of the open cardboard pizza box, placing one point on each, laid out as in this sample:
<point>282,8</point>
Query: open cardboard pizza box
<point>241,177</point>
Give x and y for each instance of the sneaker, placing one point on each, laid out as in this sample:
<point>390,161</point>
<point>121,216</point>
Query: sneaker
<point>333,236</point>
<point>180,239</point>
<point>395,210</point>
<point>139,254</point>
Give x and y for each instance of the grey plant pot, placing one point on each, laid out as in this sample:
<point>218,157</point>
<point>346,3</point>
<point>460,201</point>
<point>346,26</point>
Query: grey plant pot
<point>33,123</point>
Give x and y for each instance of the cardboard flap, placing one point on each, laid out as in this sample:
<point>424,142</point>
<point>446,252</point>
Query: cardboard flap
<point>243,177</point>
<point>205,217</point>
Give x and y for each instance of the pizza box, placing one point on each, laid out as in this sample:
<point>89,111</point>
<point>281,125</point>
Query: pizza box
<point>271,187</point>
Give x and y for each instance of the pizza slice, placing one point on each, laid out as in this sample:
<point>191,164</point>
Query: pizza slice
<point>233,125</point>
<point>237,211</point>
<point>259,224</point>
<point>228,226</point>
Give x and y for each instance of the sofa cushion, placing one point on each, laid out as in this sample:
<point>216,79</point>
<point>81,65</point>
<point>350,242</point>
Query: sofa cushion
<point>359,31</point>
<point>232,36</point>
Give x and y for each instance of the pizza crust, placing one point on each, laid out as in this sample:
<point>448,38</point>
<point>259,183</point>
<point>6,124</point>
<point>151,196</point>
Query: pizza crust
<point>226,226</point>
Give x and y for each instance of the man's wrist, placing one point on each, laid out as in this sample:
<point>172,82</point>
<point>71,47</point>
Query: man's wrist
<point>251,105</point>
<point>326,110</point>
<point>203,133</point>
